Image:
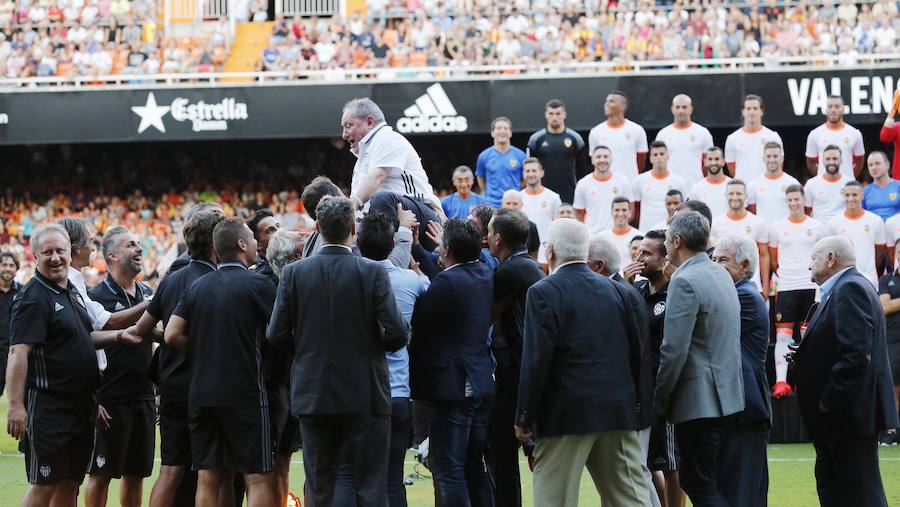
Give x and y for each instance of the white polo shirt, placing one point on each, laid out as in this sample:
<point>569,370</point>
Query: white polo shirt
<point>595,197</point>
<point>712,194</point>
<point>686,146</point>
<point>650,190</point>
<point>98,315</point>
<point>541,208</point>
<point>892,230</point>
<point>865,232</point>
<point>769,197</point>
<point>745,150</point>
<point>625,141</point>
<point>383,147</point>
<point>848,138</point>
<point>622,242</point>
<point>824,197</point>
<point>795,241</point>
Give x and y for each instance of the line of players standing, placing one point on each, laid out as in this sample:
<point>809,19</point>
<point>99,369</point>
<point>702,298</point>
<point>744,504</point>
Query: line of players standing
<point>745,186</point>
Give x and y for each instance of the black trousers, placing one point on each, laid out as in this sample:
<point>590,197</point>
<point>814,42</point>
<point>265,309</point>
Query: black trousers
<point>699,443</point>
<point>743,465</point>
<point>366,439</point>
<point>386,202</point>
<point>419,422</point>
<point>847,473</point>
<point>502,452</point>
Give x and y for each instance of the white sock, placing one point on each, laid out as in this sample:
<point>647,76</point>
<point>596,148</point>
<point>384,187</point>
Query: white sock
<point>783,337</point>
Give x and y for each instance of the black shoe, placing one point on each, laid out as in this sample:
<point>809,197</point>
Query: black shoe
<point>889,438</point>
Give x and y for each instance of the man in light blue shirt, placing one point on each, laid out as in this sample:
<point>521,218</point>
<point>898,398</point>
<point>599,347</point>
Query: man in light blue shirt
<point>458,204</point>
<point>499,167</point>
<point>375,241</point>
<point>882,196</point>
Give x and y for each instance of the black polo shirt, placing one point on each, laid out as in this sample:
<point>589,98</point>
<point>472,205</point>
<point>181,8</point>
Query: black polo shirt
<point>559,155</point>
<point>656,306</point>
<point>890,285</point>
<point>174,367</point>
<point>125,377</point>
<point>55,322</point>
<point>227,313</point>
<point>6,301</point>
<point>512,279</point>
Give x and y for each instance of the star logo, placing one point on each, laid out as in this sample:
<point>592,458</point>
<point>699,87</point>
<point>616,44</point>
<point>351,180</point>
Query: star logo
<point>151,115</point>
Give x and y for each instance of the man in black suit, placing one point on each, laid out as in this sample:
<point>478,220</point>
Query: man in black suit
<point>450,367</point>
<point>743,474</point>
<point>263,224</point>
<point>517,271</point>
<point>604,259</point>
<point>337,311</point>
<point>580,383</point>
<point>843,379</point>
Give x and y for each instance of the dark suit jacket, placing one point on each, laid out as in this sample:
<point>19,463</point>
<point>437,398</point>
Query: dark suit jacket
<point>339,312</point>
<point>576,364</point>
<point>842,362</point>
<point>647,365</point>
<point>451,323</point>
<point>754,344</point>
<point>512,279</point>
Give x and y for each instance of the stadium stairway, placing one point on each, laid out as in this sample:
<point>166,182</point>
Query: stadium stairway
<point>250,40</point>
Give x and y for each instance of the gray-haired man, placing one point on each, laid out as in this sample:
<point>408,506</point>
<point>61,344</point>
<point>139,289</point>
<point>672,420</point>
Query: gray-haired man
<point>699,384</point>
<point>385,160</point>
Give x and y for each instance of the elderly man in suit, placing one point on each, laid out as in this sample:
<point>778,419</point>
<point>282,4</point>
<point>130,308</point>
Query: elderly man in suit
<point>338,314</point>
<point>580,380</point>
<point>699,384</point>
<point>743,466</point>
<point>843,379</point>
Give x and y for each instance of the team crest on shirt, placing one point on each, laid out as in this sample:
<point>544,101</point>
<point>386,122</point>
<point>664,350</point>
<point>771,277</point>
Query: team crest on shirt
<point>544,204</point>
<point>659,308</point>
<point>778,316</point>
<point>101,460</point>
<point>627,136</point>
<point>846,140</point>
<point>783,188</point>
<point>513,163</point>
<point>45,470</point>
<point>892,196</point>
<point>748,230</point>
<point>692,138</point>
<point>809,232</point>
<point>567,142</point>
<point>615,190</point>
<point>867,228</point>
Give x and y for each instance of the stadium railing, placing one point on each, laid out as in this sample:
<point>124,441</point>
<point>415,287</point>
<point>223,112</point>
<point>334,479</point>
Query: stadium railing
<point>452,72</point>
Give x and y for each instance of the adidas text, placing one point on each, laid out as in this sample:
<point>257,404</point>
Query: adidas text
<point>432,124</point>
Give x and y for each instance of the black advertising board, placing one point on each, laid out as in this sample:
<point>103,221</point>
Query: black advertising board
<point>438,107</point>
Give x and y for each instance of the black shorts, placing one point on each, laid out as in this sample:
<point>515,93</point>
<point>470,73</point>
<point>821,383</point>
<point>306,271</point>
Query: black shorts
<point>60,436</point>
<point>236,439</point>
<point>127,446</point>
<point>285,426</point>
<point>662,453</point>
<point>174,434</point>
<point>793,306</point>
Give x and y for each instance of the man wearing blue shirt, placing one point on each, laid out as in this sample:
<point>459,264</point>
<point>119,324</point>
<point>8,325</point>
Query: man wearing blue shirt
<point>458,204</point>
<point>882,196</point>
<point>375,241</point>
<point>499,168</point>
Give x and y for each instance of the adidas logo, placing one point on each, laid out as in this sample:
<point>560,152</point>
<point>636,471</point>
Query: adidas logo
<point>58,307</point>
<point>432,113</point>
<point>119,306</point>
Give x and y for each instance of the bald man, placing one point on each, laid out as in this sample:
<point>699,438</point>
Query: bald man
<point>843,379</point>
<point>512,199</point>
<point>687,141</point>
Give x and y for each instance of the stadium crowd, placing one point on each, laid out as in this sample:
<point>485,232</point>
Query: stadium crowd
<point>461,34</point>
<point>475,322</point>
<point>100,37</point>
